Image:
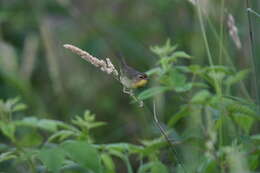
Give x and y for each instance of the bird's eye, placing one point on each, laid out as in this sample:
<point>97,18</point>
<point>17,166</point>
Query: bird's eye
<point>142,76</point>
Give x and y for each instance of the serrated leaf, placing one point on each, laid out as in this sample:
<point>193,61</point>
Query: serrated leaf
<point>52,158</point>
<point>179,54</point>
<point>163,51</point>
<point>151,92</point>
<point>61,135</point>
<point>84,154</point>
<point>237,77</point>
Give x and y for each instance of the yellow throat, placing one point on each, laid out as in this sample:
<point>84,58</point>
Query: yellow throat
<point>139,83</point>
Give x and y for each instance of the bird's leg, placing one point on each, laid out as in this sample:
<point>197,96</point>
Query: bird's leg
<point>128,91</point>
<point>131,93</point>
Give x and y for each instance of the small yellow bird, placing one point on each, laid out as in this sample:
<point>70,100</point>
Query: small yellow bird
<point>130,77</point>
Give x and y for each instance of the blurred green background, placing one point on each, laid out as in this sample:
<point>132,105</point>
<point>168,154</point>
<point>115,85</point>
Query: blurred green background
<point>58,84</point>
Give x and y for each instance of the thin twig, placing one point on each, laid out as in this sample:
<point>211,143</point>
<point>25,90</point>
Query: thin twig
<point>163,132</point>
<point>253,11</point>
<point>252,45</point>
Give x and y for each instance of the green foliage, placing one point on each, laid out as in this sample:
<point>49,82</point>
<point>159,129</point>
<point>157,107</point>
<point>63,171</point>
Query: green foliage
<point>215,118</point>
<point>214,114</point>
<point>68,146</point>
<point>53,158</point>
<point>84,154</point>
<point>206,103</point>
<point>153,167</point>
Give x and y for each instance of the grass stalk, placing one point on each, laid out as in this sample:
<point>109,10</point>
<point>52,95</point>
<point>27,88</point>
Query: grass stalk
<point>210,59</point>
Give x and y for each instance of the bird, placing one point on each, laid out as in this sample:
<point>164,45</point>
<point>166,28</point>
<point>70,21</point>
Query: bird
<point>130,78</point>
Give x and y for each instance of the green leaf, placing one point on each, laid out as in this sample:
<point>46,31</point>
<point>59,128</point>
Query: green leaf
<point>52,158</point>
<point>108,162</point>
<point>123,147</point>
<point>7,156</point>
<point>184,87</point>
<point>19,107</point>
<point>84,154</point>
<point>153,145</point>
<point>163,51</point>
<point>29,138</point>
<point>154,167</point>
<point>156,70</point>
<point>237,77</point>
<point>49,125</point>
<point>8,129</point>
<point>256,137</point>
<point>201,97</point>
<point>61,135</point>
<point>244,121</point>
<point>181,114</point>
<point>151,92</point>
<point>178,54</point>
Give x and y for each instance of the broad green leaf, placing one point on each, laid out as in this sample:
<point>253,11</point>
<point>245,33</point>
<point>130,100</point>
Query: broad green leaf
<point>181,114</point>
<point>235,107</point>
<point>29,138</point>
<point>49,125</point>
<point>196,69</point>
<point>108,162</point>
<point>201,97</point>
<point>156,70</point>
<point>8,129</point>
<point>244,121</point>
<point>151,92</point>
<point>123,147</point>
<point>219,76</point>
<point>256,137</point>
<point>84,154</point>
<point>184,87</point>
<point>154,167</point>
<point>207,165</point>
<point>153,145</point>
<point>158,167</point>
<point>19,107</point>
<point>217,69</point>
<point>53,159</point>
<point>237,77</point>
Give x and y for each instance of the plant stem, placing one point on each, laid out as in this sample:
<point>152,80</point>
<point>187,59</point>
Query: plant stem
<point>252,45</point>
<point>216,83</point>
<point>221,30</point>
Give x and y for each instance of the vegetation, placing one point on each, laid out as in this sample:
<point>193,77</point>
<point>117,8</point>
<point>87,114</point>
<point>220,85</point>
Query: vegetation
<point>60,114</point>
